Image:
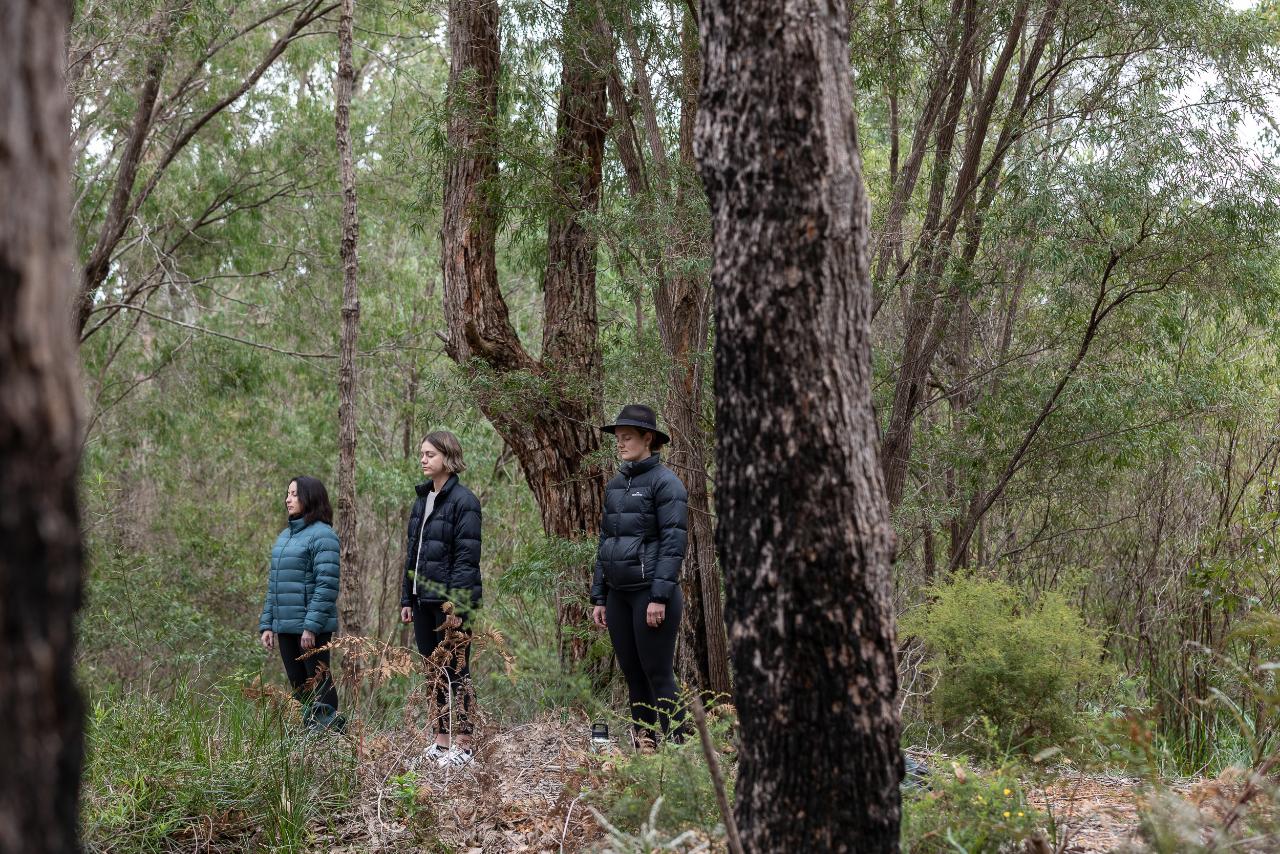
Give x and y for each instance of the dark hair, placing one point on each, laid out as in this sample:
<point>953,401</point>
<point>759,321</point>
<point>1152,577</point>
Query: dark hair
<point>315,500</point>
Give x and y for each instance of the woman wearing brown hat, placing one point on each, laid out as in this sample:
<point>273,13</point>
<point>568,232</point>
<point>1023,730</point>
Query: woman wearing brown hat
<point>636,586</point>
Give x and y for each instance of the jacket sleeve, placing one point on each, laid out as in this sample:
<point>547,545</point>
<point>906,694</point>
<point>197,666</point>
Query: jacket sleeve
<point>466,549</point>
<point>323,606</point>
<point>268,611</point>
<point>671,506</point>
<point>600,587</point>
<point>406,582</point>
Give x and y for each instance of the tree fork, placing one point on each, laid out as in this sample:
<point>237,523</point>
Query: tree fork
<point>553,444</point>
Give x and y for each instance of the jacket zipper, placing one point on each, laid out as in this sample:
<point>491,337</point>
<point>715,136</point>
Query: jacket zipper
<point>275,601</point>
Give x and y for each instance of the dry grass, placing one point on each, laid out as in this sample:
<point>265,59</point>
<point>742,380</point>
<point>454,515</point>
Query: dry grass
<point>521,794</point>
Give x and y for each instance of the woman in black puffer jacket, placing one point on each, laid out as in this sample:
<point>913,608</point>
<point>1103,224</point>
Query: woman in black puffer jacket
<point>636,587</point>
<point>442,564</point>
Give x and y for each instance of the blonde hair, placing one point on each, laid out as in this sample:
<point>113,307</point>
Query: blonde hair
<point>449,447</point>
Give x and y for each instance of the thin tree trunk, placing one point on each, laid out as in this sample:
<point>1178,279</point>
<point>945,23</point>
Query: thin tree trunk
<point>804,534</point>
<point>684,305</point>
<point>929,311</point>
<point>115,224</point>
<point>682,309</point>
<point>554,441</point>
<point>40,419</point>
<point>353,606</point>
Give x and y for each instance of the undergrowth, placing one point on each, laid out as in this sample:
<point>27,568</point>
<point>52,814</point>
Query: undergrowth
<point>213,771</point>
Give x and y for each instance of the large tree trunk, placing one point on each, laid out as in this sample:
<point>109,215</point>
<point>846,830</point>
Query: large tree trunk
<point>804,534</point>
<point>40,551</point>
<point>354,606</point>
<point>551,428</point>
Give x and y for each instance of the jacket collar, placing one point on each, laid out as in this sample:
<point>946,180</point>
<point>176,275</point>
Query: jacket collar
<point>639,467</point>
<point>425,489</point>
<point>296,525</point>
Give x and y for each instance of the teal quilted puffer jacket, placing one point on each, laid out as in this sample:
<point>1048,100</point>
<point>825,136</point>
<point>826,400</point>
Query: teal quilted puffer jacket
<point>302,590</point>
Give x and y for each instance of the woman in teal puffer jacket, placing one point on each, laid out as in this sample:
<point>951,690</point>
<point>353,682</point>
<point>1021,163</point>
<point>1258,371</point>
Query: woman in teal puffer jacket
<point>300,612</point>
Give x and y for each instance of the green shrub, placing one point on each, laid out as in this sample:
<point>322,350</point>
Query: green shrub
<point>968,811</point>
<point>678,774</point>
<point>630,785</point>
<point>1028,668</point>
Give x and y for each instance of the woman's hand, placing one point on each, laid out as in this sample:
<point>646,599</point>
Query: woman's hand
<point>309,638</point>
<point>598,617</point>
<point>406,614</point>
<point>655,614</point>
<point>268,639</point>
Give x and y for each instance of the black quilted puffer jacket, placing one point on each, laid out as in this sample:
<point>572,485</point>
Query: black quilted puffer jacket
<point>644,532</point>
<point>443,555</point>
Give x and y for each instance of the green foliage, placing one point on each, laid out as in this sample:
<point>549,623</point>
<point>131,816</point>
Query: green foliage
<point>649,838</point>
<point>1025,667</point>
<point>164,773</point>
<point>968,812</point>
<point>676,774</point>
<point>1149,491</point>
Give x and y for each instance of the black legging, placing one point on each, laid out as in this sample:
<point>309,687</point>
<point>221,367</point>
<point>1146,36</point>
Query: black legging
<point>302,672</point>
<point>647,657</point>
<point>427,620</point>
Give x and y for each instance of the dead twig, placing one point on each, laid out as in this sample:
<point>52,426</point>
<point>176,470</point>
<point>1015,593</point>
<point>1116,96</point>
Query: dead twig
<point>713,765</point>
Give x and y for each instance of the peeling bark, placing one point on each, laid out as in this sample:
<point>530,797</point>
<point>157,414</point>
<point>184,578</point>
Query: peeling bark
<point>553,440</point>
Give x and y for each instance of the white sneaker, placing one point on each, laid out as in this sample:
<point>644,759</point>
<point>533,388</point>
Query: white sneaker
<point>435,752</point>
<point>456,757</point>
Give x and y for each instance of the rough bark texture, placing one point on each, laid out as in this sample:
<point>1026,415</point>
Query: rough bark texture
<point>40,553</point>
<point>552,427</point>
<point>352,607</point>
<point>804,535</point>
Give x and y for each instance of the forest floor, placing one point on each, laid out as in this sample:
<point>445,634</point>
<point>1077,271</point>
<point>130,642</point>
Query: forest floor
<point>1093,812</point>
<point>529,789</point>
<point>512,799</point>
<point>1096,812</point>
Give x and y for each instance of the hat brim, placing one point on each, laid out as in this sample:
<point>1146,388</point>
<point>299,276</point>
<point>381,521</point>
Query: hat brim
<point>661,438</point>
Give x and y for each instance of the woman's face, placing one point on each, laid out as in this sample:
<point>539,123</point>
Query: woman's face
<point>432,460</point>
<point>291,502</point>
<point>633,444</point>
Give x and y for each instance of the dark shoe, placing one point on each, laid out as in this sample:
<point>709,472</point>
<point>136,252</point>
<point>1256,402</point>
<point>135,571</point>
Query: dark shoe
<point>321,716</point>
<point>917,773</point>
